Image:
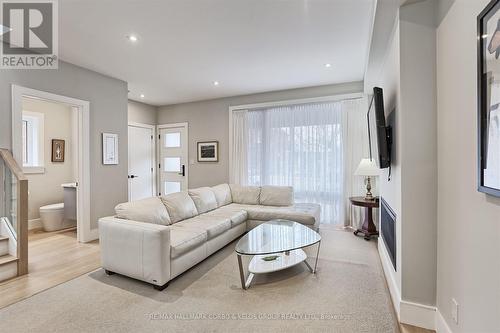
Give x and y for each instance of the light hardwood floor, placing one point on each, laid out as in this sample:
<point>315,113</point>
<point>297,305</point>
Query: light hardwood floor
<point>54,258</point>
<point>412,329</point>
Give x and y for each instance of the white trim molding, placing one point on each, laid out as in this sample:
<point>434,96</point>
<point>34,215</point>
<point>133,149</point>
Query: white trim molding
<point>411,313</point>
<point>441,325</point>
<point>84,231</point>
<point>417,314</point>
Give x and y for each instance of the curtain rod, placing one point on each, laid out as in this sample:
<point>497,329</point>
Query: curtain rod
<point>324,99</point>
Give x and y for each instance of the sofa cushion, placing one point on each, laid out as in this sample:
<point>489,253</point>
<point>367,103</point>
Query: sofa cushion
<point>248,195</point>
<point>305,213</point>
<point>235,214</point>
<point>204,199</point>
<point>183,240</point>
<point>150,210</point>
<point>276,196</point>
<point>222,194</point>
<point>180,206</point>
<point>213,225</point>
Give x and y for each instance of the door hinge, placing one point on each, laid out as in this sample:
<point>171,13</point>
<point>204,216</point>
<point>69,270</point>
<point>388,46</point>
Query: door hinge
<point>159,136</point>
<point>159,166</point>
<point>151,169</point>
<point>151,137</point>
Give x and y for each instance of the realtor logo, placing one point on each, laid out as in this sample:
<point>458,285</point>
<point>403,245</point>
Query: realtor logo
<point>28,32</point>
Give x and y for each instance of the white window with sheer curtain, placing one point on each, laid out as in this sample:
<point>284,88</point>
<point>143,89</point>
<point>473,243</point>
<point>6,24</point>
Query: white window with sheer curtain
<point>309,146</point>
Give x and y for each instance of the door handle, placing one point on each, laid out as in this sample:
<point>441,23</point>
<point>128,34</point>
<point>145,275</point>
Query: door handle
<point>183,171</point>
<point>133,176</point>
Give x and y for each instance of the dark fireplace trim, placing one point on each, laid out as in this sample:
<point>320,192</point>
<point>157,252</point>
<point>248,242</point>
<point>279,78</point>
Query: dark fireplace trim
<point>388,230</point>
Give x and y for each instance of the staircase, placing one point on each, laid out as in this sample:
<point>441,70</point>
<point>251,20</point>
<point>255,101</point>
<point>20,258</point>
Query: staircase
<point>8,262</point>
<point>13,218</point>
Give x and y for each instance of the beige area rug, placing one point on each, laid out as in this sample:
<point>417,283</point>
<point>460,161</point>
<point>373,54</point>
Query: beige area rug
<point>347,294</point>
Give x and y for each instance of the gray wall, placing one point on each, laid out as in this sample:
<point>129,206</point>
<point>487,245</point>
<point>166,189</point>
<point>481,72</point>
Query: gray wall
<point>468,221</point>
<point>418,151</point>
<point>108,113</point>
<point>142,113</point>
<point>45,188</point>
<point>408,77</point>
<point>209,120</point>
<point>389,81</point>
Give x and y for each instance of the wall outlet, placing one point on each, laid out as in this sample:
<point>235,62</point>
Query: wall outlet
<point>454,310</point>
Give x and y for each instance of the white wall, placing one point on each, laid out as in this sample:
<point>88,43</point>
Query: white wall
<point>468,267</point>
<point>45,188</point>
<point>209,120</point>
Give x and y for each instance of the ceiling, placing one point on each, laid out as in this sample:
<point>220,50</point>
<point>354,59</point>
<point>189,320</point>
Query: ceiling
<point>247,46</point>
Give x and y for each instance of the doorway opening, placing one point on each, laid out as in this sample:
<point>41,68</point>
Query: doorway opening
<point>50,138</point>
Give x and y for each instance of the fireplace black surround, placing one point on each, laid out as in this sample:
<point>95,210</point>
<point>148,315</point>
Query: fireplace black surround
<point>388,229</point>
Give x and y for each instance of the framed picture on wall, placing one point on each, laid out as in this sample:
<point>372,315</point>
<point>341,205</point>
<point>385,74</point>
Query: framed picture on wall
<point>109,148</point>
<point>208,151</point>
<point>57,150</point>
<point>488,80</point>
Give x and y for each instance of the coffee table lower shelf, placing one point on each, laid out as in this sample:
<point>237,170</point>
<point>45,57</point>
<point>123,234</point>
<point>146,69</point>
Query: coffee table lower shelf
<point>259,265</point>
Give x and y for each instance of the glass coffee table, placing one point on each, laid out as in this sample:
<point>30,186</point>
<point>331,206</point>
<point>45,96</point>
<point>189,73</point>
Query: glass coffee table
<point>275,245</point>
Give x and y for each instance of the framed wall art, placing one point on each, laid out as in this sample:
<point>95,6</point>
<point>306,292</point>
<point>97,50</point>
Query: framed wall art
<point>488,51</point>
<point>109,148</point>
<point>208,151</point>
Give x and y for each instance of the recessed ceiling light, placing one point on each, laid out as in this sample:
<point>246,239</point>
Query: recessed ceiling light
<point>328,65</point>
<point>132,38</point>
<point>216,83</point>
<point>142,95</point>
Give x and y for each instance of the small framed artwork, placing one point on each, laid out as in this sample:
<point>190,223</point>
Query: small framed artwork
<point>488,81</point>
<point>109,148</point>
<point>57,150</point>
<point>208,151</point>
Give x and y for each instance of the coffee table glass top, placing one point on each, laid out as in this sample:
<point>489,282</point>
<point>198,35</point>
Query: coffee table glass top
<point>276,236</point>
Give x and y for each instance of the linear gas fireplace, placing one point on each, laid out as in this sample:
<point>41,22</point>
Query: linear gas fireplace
<point>388,228</point>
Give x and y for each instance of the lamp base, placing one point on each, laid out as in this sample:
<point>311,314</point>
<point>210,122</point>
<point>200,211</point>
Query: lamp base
<point>369,195</point>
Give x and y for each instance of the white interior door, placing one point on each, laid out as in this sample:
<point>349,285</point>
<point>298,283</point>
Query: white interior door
<point>173,152</point>
<point>140,162</point>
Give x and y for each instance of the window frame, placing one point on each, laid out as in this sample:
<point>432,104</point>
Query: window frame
<point>34,146</point>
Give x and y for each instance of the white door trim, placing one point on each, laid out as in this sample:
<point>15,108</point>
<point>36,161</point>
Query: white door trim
<point>158,146</point>
<point>84,231</point>
<point>153,149</point>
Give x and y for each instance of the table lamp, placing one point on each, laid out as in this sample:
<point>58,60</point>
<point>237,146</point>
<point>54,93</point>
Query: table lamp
<point>367,168</point>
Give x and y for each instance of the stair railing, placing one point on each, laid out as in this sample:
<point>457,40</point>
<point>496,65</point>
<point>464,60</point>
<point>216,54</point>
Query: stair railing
<point>14,205</point>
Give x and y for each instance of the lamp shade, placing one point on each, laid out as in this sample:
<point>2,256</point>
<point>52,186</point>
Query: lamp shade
<point>367,167</point>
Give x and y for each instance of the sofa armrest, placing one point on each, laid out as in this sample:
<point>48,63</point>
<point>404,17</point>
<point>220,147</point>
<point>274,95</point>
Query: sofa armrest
<point>135,249</point>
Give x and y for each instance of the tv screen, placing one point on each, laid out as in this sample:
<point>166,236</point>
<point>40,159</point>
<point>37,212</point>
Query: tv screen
<point>383,132</point>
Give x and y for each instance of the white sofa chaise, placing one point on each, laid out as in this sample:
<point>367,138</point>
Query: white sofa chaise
<point>158,238</point>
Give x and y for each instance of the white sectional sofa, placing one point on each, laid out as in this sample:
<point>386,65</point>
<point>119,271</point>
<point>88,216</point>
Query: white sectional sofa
<point>158,238</point>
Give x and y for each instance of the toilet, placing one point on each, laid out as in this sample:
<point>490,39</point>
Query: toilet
<point>52,217</point>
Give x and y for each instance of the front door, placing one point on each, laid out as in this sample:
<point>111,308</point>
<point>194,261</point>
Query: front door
<point>173,151</point>
<point>140,162</point>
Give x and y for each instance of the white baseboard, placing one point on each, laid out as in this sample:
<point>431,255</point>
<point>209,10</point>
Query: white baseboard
<point>34,224</point>
<point>441,325</point>
<point>415,314</point>
<point>418,315</point>
<point>389,277</point>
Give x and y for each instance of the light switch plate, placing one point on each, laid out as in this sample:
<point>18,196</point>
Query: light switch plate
<point>454,310</point>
